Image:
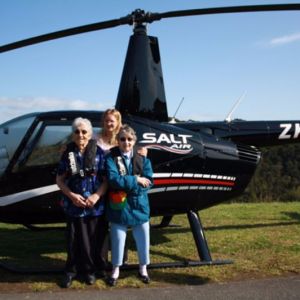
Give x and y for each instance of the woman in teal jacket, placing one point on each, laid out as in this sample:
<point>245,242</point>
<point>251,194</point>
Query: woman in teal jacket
<point>129,178</point>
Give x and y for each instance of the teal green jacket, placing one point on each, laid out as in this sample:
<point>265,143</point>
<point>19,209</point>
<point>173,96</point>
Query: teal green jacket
<point>136,210</point>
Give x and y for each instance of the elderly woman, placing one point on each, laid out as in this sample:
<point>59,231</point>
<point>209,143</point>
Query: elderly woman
<point>80,179</point>
<point>129,177</point>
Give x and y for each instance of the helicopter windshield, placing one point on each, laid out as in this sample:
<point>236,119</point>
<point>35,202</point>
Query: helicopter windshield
<point>48,149</point>
<point>11,135</point>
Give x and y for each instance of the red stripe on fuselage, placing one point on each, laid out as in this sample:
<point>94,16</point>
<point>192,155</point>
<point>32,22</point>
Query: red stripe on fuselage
<point>192,181</point>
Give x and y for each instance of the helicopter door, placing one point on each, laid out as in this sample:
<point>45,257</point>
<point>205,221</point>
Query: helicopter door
<point>37,158</point>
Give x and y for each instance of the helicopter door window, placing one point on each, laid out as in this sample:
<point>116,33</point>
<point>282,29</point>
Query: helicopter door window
<point>45,146</point>
<point>48,148</point>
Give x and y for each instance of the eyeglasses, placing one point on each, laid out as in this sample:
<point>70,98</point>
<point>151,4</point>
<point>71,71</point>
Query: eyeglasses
<point>124,139</point>
<point>77,131</point>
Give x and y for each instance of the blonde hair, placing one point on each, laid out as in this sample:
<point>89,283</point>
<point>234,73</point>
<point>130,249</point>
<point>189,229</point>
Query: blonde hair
<point>117,115</point>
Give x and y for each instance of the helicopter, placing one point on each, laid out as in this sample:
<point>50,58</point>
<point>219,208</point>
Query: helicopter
<point>196,164</point>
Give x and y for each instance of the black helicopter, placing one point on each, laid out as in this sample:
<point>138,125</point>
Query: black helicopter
<point>196,164</point>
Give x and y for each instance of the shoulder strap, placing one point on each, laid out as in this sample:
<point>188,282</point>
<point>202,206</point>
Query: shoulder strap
<point>115,151</point>
<point>69,154</point>
<point>137,162</point>
<point>89,157</point>
<point>70,147</point>
<point>116,155</point>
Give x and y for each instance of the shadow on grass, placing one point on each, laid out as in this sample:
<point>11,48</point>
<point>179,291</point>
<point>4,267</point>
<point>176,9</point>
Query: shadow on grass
<point>179,278</point>
<point>160,233</point>
<point>175,229</point>
<point>292,215</point>
<point>172,257</point>
<point>26,252</point>
<point>248,226</point>
<point>8,277</point>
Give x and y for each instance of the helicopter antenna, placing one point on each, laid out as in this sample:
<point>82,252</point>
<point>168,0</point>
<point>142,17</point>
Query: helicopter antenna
<point>173,118</point>
<point>228,119</point>
<point>178,107</point>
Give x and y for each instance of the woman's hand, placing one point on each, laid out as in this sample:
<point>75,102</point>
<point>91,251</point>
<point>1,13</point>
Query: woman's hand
<point>143,181</point>
<point>91,200</point>
<point>78,200</point>
<point>142,151</point>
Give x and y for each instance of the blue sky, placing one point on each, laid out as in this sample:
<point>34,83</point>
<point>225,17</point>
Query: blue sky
<point>211,61</point>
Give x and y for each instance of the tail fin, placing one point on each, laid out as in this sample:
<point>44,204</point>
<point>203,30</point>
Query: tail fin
<point>141,92</point>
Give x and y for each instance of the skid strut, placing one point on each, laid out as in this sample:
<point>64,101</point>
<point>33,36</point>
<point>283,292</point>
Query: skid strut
<point>201,245</point>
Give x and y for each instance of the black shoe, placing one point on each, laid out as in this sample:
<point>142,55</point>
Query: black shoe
<point>90,279</point>
<point>67,281</point>
<point>144,278</point>
<point>112,281</point>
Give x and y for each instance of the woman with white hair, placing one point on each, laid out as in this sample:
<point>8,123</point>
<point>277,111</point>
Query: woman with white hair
<point>80,178</point>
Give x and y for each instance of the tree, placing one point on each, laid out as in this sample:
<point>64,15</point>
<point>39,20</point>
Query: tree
<point>277,178</point>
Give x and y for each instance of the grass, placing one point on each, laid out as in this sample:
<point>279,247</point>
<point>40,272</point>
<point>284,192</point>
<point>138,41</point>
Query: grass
<point>262,240</point>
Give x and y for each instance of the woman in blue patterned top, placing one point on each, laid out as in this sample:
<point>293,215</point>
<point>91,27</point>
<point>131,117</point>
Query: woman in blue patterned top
<point>80,178</point>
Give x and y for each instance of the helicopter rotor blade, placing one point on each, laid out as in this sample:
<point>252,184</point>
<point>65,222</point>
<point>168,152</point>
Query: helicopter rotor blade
<point>65,33</point>
<point>230,9</point>
<point>139,17</point>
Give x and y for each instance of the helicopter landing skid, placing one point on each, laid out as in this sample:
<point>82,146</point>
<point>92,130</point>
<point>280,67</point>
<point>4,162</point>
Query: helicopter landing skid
<point>201,244</point>
<point>183,264</point>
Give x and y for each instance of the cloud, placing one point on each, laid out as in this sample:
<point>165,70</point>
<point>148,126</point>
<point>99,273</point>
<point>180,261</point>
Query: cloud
<point>283,40</point>
<point>13,107</point>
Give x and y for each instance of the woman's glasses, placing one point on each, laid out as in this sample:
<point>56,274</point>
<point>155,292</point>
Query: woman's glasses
<point>124,139</point>
<point>77,131</point>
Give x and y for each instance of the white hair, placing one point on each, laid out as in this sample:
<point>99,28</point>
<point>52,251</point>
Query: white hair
<point>86,122</point>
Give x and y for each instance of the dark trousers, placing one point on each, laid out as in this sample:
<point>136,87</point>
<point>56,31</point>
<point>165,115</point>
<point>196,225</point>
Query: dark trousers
<point>85,240</point>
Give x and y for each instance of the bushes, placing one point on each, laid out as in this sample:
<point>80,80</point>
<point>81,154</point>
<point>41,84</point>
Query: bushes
<point>277,178</point>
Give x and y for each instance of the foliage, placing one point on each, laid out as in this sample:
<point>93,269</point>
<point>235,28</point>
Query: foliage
<point>277,178</point>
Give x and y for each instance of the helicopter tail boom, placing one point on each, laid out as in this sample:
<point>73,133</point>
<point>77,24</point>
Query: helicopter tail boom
<point>254,133</point>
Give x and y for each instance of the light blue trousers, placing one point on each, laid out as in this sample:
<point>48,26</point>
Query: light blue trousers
<point>141,236</point>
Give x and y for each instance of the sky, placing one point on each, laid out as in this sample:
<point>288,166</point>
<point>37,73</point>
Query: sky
<point>210,61</point>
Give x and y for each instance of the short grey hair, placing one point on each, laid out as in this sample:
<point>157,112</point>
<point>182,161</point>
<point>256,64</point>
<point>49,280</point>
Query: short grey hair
<point>127,130</point>
<point>78,121</point>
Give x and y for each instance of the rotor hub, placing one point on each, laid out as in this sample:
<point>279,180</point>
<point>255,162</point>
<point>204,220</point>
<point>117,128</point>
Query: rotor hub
<point>140,17</point>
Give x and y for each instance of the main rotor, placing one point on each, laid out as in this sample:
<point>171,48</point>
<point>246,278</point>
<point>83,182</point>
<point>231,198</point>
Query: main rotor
<point>140,18</point>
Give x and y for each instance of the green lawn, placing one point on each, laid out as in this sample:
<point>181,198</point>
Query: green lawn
<point>261,239</point>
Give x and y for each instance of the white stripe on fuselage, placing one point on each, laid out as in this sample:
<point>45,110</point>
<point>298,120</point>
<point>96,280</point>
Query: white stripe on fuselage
<point>14,198</point>
<point>18,197</point>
